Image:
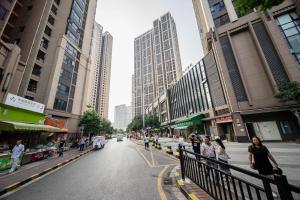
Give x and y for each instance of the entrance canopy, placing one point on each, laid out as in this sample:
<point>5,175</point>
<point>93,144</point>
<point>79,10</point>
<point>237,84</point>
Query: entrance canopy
<point>187,122</point>
<point>18,126</point>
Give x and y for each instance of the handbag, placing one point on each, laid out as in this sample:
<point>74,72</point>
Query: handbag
<point>277,171</point>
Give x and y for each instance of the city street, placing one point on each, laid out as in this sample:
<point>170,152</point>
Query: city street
<point>122,170</point>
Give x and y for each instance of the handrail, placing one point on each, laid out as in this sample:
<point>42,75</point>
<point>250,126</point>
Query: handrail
<point>233,167</point>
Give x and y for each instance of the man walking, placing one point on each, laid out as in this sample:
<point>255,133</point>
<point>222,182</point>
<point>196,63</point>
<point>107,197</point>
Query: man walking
<point>61,147</point>
<point>81,144</point>
<point>17,153</point>
<point>146,140</point>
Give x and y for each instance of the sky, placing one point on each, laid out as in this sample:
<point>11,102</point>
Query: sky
<point>126,20</point>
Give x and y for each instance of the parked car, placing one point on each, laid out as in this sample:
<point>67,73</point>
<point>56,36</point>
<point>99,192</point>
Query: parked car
<point>119,137</point>
<point>98,142</point>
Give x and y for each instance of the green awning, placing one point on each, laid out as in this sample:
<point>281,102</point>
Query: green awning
<point>18,126</point>
<point>190,121</point>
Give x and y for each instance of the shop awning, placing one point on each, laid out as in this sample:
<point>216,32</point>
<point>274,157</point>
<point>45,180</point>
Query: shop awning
<point>190,121</point>
<point>18,126</point>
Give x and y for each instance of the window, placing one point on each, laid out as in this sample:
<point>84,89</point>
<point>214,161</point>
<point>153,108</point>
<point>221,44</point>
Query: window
<point>45,43</point>
<point>29,7</point>
<point>54,9</point>
<point>65,75</point>
<point>41,56</point>
<point>32,86</point>
<point>290,26</point>
<point>51,20</point>
<point>286,127</point>
<point>36,70</point>
<point>63,89</point>
<point>1,75</point>
<point>48,31</point>
<point>3,12</point>
<point>29,97</point>
<point>57,2</point>
<point>60,104</point>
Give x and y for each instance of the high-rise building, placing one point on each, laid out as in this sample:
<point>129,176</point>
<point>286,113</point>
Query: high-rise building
<point>100,70</point>
<point>255,53</point>
<point>46,47</point>
<point>122,116</point>
<point>107,43</point>
<point>157,63</point>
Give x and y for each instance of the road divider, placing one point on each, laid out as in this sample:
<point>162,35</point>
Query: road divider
<point>169,150</point>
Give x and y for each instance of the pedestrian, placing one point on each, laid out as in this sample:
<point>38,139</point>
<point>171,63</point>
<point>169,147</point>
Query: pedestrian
<point>81,144</point>
<point>208,150</point>
<point>222,155</point>
<point>181,142</point>
<point>262,157</point>
<point>146,141</point>
<point>61,147</point>
<point>17,153</point>
<point>156,138</point>
<point>196,144</point>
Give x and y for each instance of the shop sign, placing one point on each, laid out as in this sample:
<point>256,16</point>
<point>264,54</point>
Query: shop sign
<point>55,122</point>
<point>225,119</point>
<point>20,102</point>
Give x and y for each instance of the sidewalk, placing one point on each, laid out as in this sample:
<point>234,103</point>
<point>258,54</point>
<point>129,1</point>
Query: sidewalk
<point>34,170</point>
<point>190,189</point>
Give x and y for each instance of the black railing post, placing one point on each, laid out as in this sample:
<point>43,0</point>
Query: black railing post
<point>283,187</point>
<point>181,162</point>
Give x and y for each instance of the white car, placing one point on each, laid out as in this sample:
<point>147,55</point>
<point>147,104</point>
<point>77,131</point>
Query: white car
<point>119,137</point>
<point>98,142</point>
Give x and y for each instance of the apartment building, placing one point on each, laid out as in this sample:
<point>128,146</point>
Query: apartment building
<point>99,80</point>
<point>157,63</point>
<point>122,116</point>
<point>46,45</point>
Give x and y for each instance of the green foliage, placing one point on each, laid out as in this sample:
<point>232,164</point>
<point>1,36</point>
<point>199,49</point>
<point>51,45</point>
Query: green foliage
<point>152,121</point>
<point>93,123</point>
<point>289,91</point>
<point>199,127</point>
<point>136,124</point>
<point>244,6</point>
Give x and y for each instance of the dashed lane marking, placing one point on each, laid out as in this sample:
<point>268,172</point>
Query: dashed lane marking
<point>144,157</point>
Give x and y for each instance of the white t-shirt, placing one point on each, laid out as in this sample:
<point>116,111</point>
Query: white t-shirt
<point>181,140</point>
<point>208,151</point>
<point>17,151</point>
<point>146,139</point>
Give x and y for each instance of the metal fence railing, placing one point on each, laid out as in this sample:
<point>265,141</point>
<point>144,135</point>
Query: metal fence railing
<point>234,183</point>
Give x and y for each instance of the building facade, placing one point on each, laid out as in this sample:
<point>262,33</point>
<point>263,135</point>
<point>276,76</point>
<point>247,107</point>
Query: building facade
<point>157,63</point>
<point>106,56</point>
<point>254,53</point>
<point>99,81</point>
<point>122,116</point>
<point>50,42</point>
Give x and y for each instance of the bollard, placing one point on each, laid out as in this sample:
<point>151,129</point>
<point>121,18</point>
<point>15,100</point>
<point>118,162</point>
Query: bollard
<point>177,153</point>
<point>158,146</point>
<point>153,144</point>
<point>169,150</point>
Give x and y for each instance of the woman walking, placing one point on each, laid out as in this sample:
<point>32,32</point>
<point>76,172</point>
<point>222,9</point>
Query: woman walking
<point>222,155</point>
<point>262,158</point>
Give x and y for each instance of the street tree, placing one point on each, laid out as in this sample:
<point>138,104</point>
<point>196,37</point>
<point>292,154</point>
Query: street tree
<point>244,6</point>
<point>152,121</point>
<point>91,121</point>
<point>136,124</point>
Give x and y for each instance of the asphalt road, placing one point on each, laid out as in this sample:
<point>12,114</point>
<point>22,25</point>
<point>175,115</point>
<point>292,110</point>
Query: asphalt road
<point>122,170</point>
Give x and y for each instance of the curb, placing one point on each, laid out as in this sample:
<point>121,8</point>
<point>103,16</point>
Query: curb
<point>35,176</point>
<point>180,185</point>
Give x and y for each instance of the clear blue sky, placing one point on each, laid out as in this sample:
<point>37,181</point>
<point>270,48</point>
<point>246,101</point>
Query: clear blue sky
<point>127,19</point>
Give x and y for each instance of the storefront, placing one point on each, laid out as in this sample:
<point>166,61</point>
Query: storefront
<point>23,119</point>
<point>182,126</point>
<point>272,126</point>
<point>225,127</point>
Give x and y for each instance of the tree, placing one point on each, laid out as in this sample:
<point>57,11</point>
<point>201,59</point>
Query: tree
<point>105,126</point>
<point>91,121</point>
<point>289,91</point>
<point>136,124</point>
<point>244,6</point>
<point>152,121</point>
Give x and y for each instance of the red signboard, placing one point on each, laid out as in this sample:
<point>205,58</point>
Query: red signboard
<point>225,119</point>
<point>55,123</point>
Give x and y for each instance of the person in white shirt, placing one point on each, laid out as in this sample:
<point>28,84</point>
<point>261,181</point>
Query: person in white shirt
<point>181,142</point>
<point>208,150</point>
<point>222,155</point>
<point>146,141</point>
<point>17,153</point>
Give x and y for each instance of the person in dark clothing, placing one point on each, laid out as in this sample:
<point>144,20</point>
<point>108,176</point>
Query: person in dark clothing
<point>262,158</point>
<point>61,147</point>
<point>196,144</point>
